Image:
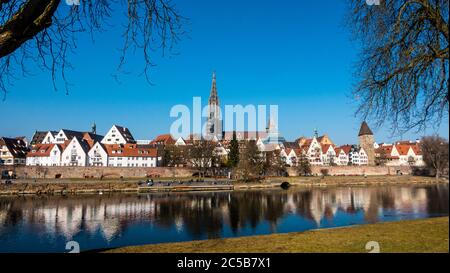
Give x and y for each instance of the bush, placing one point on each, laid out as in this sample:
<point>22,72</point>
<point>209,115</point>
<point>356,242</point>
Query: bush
<point>418,171</point>
<point>324,172</point>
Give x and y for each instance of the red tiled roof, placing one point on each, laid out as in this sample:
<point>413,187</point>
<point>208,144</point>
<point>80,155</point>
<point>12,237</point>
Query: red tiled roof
<point>307,142</point>
<point>402,148</point>
<point>346,148</point>
<point>127,150</point>
<point>40,150</point>
<point>298,151</point>
<point>387,149</point>
<point>417,150</point>
<point>325,147</point>
<point>165,139</point>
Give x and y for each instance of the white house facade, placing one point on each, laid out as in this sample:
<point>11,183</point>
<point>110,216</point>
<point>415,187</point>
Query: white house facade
<point>132,155</point>
<point>118,135</point>
<point>45,155</point>
<point>97,156</point>
<point>75,153</point>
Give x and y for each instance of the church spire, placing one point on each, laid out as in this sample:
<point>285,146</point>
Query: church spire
<point>213,97</point>
<point>214,124</point>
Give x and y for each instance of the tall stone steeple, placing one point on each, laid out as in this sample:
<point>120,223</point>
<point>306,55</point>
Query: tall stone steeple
<point>213,97</point>
<point>214,123</point>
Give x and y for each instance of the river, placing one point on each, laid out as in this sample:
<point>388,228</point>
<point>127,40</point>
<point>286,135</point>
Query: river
<point>47,223</point>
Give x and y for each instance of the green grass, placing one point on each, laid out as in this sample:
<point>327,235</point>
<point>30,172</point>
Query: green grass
<point>425,235</point>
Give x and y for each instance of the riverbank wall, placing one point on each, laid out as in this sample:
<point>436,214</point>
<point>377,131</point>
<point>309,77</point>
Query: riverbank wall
<point>44,172</point>
<point>356,170</point>
<point>41,172</point>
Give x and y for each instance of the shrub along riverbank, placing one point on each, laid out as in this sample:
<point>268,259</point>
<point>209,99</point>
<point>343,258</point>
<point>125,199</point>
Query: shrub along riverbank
<point>425,235</point>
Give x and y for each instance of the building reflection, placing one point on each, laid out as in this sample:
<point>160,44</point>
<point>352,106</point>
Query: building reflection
<point>208,214</point>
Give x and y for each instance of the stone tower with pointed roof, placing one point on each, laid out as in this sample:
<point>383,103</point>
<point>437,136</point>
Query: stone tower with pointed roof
<point>214,122</point>
<point>366,141</point>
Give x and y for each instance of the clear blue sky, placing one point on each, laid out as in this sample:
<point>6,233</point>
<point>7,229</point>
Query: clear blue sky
<point>297,54</point>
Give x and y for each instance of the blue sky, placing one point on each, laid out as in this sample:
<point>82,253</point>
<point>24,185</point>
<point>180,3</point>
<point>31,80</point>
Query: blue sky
<point>297,54</point>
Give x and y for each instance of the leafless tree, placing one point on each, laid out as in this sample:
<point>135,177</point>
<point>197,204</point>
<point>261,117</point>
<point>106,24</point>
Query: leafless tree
<point>381,157</point>
<point>274,164</point>
<point>175,156</point>
<point>251,162</point>
<point>43,32</point>
<point>202,155</point>
<point>435,154</point>
<point>403,68</point>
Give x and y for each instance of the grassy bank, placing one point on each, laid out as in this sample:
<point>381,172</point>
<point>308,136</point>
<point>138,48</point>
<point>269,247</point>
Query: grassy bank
<point>426,235</point>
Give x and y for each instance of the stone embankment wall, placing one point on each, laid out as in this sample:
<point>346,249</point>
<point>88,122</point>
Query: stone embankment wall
<point>96,172</point>
<point>357,170</point>
<point>117,172</point>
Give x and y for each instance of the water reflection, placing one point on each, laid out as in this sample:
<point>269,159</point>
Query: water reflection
<point>44,223</point>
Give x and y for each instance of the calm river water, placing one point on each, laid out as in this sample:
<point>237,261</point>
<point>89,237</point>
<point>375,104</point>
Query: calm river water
<point>47,223</point>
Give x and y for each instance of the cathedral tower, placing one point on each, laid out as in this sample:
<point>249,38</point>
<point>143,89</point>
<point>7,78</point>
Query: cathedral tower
<point>214,122</point>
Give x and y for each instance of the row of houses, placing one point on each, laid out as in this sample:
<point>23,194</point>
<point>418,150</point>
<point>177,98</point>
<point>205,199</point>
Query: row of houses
<point>74,148</point>
<point>118,148</point>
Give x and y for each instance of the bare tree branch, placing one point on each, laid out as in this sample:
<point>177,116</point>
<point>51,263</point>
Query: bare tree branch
<point>43,32</point>
<point>403,68</point>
